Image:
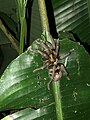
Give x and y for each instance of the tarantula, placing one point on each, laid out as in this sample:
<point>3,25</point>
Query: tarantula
<point>50,57</point>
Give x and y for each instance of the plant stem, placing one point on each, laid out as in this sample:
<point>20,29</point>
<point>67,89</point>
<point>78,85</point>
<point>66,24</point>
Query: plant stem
<point>43,15</point>
<point>56,90</point>
<point>21,4</point>
<point>9,36</point>
<point>57,97</point>
<point>22,36</point>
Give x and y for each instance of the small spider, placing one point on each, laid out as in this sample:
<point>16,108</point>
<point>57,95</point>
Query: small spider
<point>51,58</point>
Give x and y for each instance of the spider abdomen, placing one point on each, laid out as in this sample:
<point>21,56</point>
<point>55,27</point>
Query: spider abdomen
<point>57,72</point>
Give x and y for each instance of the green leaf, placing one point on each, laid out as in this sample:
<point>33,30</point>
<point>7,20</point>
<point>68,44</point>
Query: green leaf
<point>75,93</point>
<point>21,88</point>
<point>3,38</point>
<point>31,114</point>
<point>19,82</point>
<point>1,57</point>
<point>36,28</point>
<point>89,9</point>
<point>71,15</point>
<point>11,24</point>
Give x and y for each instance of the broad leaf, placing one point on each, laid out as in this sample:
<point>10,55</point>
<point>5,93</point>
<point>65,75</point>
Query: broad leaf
<point>72,15</point>
<point>36,28</point>
<point>9,22</point>
<point>21,88</point>
<point>1,57</point>
<point>30,114</point>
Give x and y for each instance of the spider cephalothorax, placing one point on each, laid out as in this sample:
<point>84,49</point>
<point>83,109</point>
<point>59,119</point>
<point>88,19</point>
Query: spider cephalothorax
<point>50,57</point>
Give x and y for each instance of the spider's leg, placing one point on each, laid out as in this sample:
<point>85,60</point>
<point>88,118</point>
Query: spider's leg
<point>37,51</point>
<point>53,74</point>
<point>41,68</point>
<point>66,54</point>
<point>53,42</point>
<point>51,77</point>
<point>63,68</point>
<point>49,45</point>
<point>51,48</point>
<point>51,38</point>
<point>49,84</point>
<point>57,47</point>
<point>44,46</point>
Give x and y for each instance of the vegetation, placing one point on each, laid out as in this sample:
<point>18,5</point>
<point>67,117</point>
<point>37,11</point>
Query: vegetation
<point>23,93</point>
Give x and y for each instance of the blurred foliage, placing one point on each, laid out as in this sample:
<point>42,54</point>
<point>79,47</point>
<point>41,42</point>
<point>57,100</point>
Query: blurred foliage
<point>21,88</point>
<point>16,93</point>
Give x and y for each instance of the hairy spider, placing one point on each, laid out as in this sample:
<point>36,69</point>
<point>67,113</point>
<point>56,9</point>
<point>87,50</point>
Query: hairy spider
<point>50,57</point>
